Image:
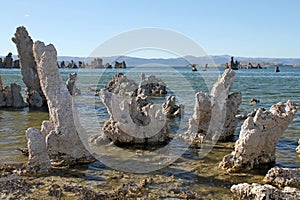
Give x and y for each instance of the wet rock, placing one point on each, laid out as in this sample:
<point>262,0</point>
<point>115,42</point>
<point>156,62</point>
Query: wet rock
<point>258,137</point>
<point>254,101</point>
<point>151,86</point>
<point>16,188</point>
<point>214,113</point>
<point>11,97</point>
<point>282,177</point>
<point>130,189</point>
<point>55,191</point>
<point>256,191</point>
<point>62,139</point>
<point>135,121</point>
<point>298,148</point>
<point>121,85</point>
<point>170,109</point>
<point>33,92</point>
<point>39,160</point>
<point>120,64</point>
<point>73,90</point>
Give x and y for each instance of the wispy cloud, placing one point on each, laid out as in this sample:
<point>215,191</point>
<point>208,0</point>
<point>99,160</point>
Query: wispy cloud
<point>27,15</point>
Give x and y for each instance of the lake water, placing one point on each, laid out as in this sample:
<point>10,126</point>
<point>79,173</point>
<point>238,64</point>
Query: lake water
<point>192,170</point>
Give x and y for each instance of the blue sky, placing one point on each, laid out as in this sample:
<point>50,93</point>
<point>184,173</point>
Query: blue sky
<point>256,28</point>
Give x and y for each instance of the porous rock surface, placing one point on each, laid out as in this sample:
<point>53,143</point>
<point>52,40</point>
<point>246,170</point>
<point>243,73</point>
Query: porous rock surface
<point>11,96</point>
<point>151,86</point>
<point>38,160</point>
<point>62,139</point>
<point>256,191</point>
<point>170,109</point>
<point>71,86</point>
<point>134,121</point>
<point>282,177</point>
<point>258,137</point>
<point>214,113</point>
<point>33,92</point>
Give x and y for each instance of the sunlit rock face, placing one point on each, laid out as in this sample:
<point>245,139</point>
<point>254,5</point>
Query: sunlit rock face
<point>170,109</point>
<point>62,139</point>
<point>133,121</point>
<point>38,160</point>
<point>282,177</point>
<point>258,137</point>
<point>33,92</point>
<point>256,191</point>
<point>214,113</point>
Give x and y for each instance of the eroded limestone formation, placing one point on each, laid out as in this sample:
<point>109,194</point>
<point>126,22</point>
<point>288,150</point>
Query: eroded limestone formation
<point>73,90</point>
<point>8,61</point>
<point>33,92</point>
<point>134,121</point>
<point>170,109</point>
<point>120,64</point>
<point>256,191</point>
<point>39,160</point>
<point>214,113</point>
<point>62,139</point>
<point>258,137</point>
<point>11,96</point>
<point>151,86</point>
<point>282,177</point>
<point>121,85</point>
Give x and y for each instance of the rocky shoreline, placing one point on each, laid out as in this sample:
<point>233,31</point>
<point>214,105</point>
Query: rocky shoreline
<point>57,145</point>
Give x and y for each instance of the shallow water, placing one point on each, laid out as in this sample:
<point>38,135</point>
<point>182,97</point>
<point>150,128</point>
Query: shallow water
<point>193,170</point>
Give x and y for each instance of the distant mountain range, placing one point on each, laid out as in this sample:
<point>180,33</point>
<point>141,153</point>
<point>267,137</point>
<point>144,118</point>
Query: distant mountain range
<point>182,61</point>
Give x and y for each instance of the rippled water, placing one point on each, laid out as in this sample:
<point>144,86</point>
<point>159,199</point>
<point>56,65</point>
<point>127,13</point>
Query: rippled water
<point>192,170</point>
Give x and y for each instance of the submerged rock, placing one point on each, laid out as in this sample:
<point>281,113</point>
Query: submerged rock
<point>73,90</point>
<point>256,191</point>
<point>170,109</point>
<point>62,139</point>
<point>214,113</point>
<point>33,92</point>
<point>282,177</point>
<point>258,137</point>
<point>134,121</point>
<point>39,160</point>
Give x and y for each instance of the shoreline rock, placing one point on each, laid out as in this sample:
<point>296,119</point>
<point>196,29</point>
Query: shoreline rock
<point>62,139</point>
<point>256,191</point>
<point>38,160</point>
<point>258,137</point>
<point>282,177</point>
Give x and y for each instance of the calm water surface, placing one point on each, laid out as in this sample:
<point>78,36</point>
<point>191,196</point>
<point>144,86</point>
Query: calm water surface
<point>191,171</point>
